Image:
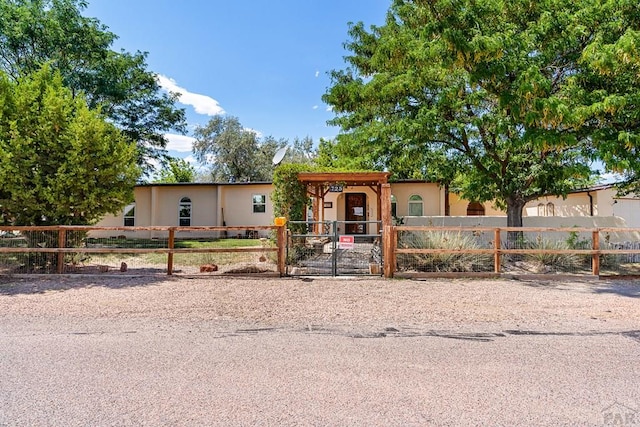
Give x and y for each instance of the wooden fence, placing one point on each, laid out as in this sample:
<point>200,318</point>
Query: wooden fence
<point>60,246</point>
<point>499,248</point>
<point>595,244</point>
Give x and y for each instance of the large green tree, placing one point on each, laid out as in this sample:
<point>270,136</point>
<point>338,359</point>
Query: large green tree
<point>608,87</point>
<point>34,32</point>
<point>500,99</point>
<point>233,152</point>
<point>176,170</point>
<point>60,161</point>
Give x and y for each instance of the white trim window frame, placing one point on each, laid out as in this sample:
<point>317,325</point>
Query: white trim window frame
<point>415,205</point>
<point>129,215</point>
<point>259,203</point>
<point>185,209</point>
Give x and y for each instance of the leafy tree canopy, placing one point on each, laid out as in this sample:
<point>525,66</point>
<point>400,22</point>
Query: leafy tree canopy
<point>239,154</point>
<point>35,32</point>
<point>176,170</point>
<point>61,163</point>
<point>505,101</point>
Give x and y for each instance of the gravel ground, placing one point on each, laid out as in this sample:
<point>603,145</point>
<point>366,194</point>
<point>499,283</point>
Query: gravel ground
<point>246,351</point>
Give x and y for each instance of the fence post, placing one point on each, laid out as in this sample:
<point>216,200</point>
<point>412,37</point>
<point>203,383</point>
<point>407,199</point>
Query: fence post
<point>172,241</point>
<point>334,248</point>
<point>282,249</point>
<point>62,237</point>
<point>496,251</point>
<point>388,240</point>
<point>595,258</point>
<point>389,243</point>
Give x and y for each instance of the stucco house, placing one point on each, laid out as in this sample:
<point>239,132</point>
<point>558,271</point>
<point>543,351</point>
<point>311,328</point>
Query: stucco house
<point>598,201</point>
<point>417,202</point>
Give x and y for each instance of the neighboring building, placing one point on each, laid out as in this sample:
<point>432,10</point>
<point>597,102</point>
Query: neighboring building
<point>597,201</point>
<point>249,204</point>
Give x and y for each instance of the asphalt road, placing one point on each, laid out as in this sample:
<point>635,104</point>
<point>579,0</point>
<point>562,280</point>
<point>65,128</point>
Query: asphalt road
<point>129,372</point>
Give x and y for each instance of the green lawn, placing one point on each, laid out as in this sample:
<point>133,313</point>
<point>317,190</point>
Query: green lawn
<point>186,259</point>
<point>179,243</point>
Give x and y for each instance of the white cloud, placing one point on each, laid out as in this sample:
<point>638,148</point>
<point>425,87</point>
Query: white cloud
<point>317,73</point>
<point>180,143</point>
<point>201,103</point>
<point>315,107</point>
<point>256,132</point>
<point>330,108</point>
<point>191,160</point>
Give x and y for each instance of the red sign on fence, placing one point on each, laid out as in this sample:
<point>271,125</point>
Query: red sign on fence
<point>346,242</point>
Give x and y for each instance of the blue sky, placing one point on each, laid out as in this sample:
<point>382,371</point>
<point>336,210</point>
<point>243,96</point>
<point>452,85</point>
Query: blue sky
<point>265,62</point>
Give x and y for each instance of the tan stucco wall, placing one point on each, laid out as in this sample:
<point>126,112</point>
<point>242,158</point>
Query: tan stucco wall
<point>237,202</point>
<point>167,199</point>
<point>458,207</point>
<point>576,204</point>
<point>628,208</point>
<point>431,193</point>
<point>158,206</point>
<point>142,197</point>
<point>432,198</point>
<point>532,221</point>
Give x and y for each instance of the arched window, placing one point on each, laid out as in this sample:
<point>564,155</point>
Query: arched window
<point>130,215</point>
<point>415,205</point>
<point>184,212</point>
<point>475,209</point>
<point>394,206</point>
<point>551,209</point>
<point>542,211</point>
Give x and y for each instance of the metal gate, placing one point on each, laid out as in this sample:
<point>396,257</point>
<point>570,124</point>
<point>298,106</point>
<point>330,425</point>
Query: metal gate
<point>323,248</point>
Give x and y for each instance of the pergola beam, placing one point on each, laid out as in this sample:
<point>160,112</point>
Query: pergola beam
<point>318,183</point>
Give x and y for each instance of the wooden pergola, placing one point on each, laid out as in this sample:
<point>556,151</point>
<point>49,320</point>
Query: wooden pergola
<point>319,184</point>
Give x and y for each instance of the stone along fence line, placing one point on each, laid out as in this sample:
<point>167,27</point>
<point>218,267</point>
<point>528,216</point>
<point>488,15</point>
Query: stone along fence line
<point>53,246</point>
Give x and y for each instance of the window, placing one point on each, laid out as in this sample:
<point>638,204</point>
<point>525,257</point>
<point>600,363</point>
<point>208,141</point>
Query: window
<point>259,203</point>
<point>475,209</point>
<point>551,211</point>
<point>185,212</point>
<point>415,205</point>
<point>394,206</point>
<point>546,210</point>
<point>130,215</point>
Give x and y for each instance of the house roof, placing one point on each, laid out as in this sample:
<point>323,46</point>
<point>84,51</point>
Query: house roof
<point>594,188</point>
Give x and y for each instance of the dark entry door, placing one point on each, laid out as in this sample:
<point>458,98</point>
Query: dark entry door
<point>356,210</point>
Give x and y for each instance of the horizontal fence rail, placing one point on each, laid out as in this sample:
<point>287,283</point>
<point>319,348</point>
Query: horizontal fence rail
<point>406,250</point>
<point>60,249</point>
<point>427,250</point>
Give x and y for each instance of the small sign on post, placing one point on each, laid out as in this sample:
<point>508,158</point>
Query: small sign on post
<point>346,242</point>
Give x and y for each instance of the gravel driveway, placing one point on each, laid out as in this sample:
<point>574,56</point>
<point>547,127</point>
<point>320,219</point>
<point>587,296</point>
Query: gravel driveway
<point>80,351</point>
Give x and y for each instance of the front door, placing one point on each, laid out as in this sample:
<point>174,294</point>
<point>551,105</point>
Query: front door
<point>356,210</point>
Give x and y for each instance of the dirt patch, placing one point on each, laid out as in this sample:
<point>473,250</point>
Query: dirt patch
<point>367,302</point>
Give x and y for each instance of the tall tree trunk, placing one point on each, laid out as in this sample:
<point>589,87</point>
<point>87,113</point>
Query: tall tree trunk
<point>515,206</point>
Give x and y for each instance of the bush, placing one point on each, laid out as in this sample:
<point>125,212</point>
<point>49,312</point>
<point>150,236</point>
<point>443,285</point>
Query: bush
<point>443,261</point>
<point>566,261</point>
